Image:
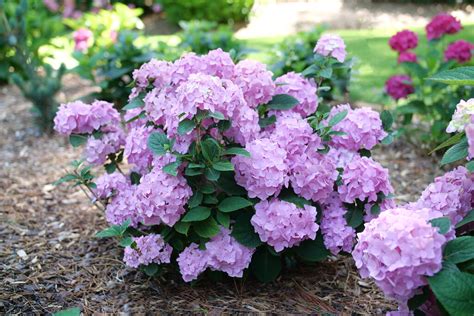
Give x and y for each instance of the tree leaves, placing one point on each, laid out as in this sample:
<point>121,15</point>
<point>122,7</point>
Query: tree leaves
<point>455,153</point>
<point>115,230</point>
<point>443,223</point>
<point>185,126</point>
<point>197,214</point>
<point>77,140</point>
<point>158,143</point>
<point>459,250</point>
<point>312,250</point>
<point>244,232</point>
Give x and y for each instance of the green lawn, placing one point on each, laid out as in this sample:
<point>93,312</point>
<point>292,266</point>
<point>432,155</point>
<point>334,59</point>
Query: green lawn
<point>375,60</point>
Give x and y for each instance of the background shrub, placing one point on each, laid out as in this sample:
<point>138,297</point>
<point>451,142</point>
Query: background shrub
<point>295,53</point>
<point>221,11</point>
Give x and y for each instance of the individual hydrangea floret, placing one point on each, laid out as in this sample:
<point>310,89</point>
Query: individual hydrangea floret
<point>136,148</point>
<point>313,175</point>
<point>192,262</point>
<point>162,197</point>
<point>364,179</point>
<point>407,57</point>
<point>462,116</point>
<point>399,249</point>
<point>148,249</point>
<point>362,128</point>
<point>441,24</point>
<point>109,184</point>
<point>331,45</point>
<point>337,234</point>
<point>255,81</point>
<point>399,86</point>
<point>226,254</point>
<point>81,118</point>
<point>265,172</point>
<point>460,50</point>
<point>403,41</point>
<point>98,149</point>
<point>449,194</point>
<point>284,225</point>
<point>304,90</point>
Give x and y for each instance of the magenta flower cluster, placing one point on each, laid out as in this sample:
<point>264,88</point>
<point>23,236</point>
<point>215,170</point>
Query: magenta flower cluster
<point>399,86</point>
<point>459,50</point>
<point>403,41</point>
<point>441,24</point>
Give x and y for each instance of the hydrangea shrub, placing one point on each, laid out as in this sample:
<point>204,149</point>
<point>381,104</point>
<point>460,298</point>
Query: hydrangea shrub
<point>431,101</point>
<point>421,254</point>
<point>216,166</point>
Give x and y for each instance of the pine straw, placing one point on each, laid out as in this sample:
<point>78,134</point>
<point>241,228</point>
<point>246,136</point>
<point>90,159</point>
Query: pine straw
<point>50,259</point>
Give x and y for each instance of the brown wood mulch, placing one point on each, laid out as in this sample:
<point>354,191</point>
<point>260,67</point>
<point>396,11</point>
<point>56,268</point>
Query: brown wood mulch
<point>50,260</point>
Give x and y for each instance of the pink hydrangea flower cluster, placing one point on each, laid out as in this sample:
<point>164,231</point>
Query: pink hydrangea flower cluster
<point>282,224</point>
<point>460,50</point>
<point>136,149</point>
<point>399,249</point>
<point>363,179</point>
<point>403,41</point>
<point>148,249</point>
<point>399,86</point>
<point>362,127</point>
<point>331,45</point>
<point>338,235</point>
<point>470,138</point>
<point>162,197</point>
<point>441,24</point>
<point>222,253</point>
<point>450,194</point>
<point>81,118</point>
<point>98,149</point>
<point>300,88</point>
<point>109,184</point>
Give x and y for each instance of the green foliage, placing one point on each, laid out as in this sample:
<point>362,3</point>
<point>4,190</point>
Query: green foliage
<point>265,265</point>
<point>295,53</point>
<point>202,36</point>
<point>439,85</point>
<point>25,27</point>
<point>221,11</point>
<point>115,51</point>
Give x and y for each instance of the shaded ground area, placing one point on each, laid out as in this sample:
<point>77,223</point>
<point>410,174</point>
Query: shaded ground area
<point>50,260</point>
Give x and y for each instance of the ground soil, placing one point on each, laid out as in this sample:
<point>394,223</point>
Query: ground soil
<point>50,260</point>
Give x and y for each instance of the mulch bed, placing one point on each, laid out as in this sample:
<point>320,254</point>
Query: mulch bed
<point>50,259</point>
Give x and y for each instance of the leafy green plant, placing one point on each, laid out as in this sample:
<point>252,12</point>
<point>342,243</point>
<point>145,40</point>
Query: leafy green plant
<point>21,35</point>
<point>295,53</point>
<point>221,11</point>
<point>202,36</point>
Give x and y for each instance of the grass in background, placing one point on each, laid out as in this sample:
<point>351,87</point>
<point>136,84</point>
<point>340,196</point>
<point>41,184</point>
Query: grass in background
<point>375,60</point>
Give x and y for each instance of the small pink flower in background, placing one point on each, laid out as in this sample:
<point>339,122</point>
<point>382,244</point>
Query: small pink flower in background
<point>403,41</point>
<point>443,23</point>
<point>460,50</point>
<point>113,36</point>
<point>399,86</point>
<point>52,5</point>
<point>149,249</point>
<point>82,39</point>
<point>407,57</point>
<point>331,45</point>
<point>157,8</point>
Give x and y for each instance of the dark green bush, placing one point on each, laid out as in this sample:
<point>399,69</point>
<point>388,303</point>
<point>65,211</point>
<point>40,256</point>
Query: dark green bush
<point>221,11</point>
<point>24,28</point>
<point>202,36</point>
